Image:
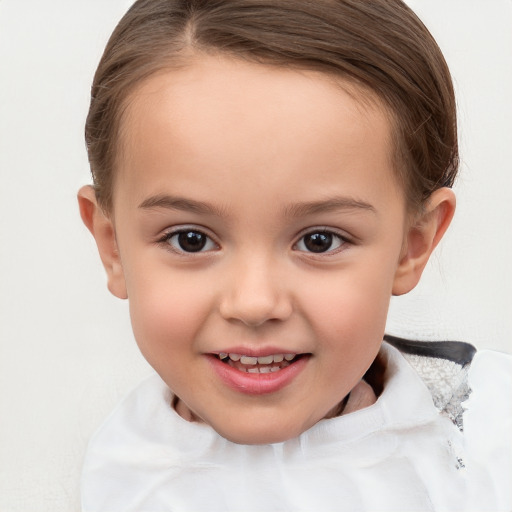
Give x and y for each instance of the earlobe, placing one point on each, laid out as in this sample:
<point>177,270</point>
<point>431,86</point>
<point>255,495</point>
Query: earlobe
<point>422,238</point>
<point>102,229</point>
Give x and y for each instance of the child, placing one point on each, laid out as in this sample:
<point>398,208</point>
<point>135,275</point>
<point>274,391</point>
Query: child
<point>266,176</point>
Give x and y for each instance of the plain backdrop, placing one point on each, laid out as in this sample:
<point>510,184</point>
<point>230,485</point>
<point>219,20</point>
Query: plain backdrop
<point>66,349</point>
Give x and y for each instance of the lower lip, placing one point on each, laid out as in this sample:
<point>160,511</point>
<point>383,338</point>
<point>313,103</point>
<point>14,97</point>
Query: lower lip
<point>257,383</point>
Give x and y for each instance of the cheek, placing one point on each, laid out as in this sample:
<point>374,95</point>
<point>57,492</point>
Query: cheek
<point>351,323</point>
<point>348,311</point>
<point>166,313</point>
<point>352,296</point>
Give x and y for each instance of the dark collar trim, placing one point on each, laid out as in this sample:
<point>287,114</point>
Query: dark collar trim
<point>457,351</point>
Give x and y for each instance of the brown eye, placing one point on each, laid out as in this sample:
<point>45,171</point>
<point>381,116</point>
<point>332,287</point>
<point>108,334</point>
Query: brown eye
<point>319,242</point>
<point>190,241</point>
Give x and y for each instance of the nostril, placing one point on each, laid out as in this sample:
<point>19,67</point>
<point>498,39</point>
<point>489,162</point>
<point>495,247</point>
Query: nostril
<point>253,294</point>
<point>255,311</point>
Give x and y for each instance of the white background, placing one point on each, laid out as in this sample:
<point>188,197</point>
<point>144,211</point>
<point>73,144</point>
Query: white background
<point>66,349</point>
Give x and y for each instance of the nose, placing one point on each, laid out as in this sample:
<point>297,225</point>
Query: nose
<point>255,293</point>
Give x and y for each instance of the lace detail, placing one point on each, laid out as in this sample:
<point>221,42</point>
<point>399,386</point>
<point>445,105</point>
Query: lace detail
<point>443,366</point>
<point>447,382</point>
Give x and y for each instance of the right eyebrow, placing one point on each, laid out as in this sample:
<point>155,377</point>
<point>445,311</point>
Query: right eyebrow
<point>182,204</point>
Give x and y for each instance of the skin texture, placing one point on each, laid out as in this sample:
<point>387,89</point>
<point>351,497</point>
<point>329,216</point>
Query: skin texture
<point>267,156</point>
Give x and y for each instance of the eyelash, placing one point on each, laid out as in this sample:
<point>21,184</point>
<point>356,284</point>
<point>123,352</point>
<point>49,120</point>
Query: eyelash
<point>167,238</point>
<point>210,244</point>
<point>342,240</point>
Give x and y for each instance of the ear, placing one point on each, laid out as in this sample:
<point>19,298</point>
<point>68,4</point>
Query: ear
<point>421,239</point>
<point>102,229</point>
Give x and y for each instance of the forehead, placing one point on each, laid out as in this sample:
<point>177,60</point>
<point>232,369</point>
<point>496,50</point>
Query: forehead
<point>218,115</point>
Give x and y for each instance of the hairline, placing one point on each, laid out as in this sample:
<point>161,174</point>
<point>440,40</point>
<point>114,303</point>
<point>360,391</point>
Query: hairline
<point>365,96</point>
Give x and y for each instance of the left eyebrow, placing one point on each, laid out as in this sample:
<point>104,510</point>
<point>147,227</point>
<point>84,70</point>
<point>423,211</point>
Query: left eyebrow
<point>328,205</point>
<point>181,204</point>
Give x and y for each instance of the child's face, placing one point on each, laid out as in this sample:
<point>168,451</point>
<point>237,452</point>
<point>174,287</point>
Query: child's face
<point>256,213</point>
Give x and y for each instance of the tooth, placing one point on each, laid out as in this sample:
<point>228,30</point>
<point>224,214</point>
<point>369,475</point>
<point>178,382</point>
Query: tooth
<point>278,358</point>
<point>253,370</point>
<point>274,369</point>
<point>289,357</point>
<point>235,357</point>
<point>265,369</point>
<point>265,359</point>
<point>248,360</point>
<point>223,355</point>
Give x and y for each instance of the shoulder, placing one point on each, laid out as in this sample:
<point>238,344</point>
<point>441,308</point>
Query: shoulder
<point>474,389</point>
<point>126,426</point>
<point>467,385</point>
<point>118,453</point>
<point>488,411</point>
<point>491,366</point>
<point>488,420</point>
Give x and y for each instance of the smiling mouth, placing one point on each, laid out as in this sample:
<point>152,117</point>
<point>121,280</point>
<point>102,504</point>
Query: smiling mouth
<point>263,364</point>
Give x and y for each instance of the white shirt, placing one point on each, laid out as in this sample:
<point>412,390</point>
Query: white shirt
<point>399,454</point>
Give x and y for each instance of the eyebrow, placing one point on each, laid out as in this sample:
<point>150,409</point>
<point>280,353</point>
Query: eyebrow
<point>182,204</point>
<point>328,205</point>
<point>296,210</point>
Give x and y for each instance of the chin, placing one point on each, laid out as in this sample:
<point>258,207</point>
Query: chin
<point>254,433</point>
<point>255,438</point>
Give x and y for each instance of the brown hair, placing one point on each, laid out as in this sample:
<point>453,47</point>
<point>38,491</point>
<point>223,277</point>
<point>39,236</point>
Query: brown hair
<point>380,45</point>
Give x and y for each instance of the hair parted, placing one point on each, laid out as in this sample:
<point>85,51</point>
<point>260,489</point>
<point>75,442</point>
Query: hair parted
<point>380,45</point>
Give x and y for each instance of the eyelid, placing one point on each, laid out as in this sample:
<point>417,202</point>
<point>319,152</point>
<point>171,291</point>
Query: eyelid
<point>169,232</point>
<point>326,229</point>
<point>343,236</point>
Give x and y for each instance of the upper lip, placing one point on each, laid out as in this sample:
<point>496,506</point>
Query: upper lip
<point>257,351</point>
